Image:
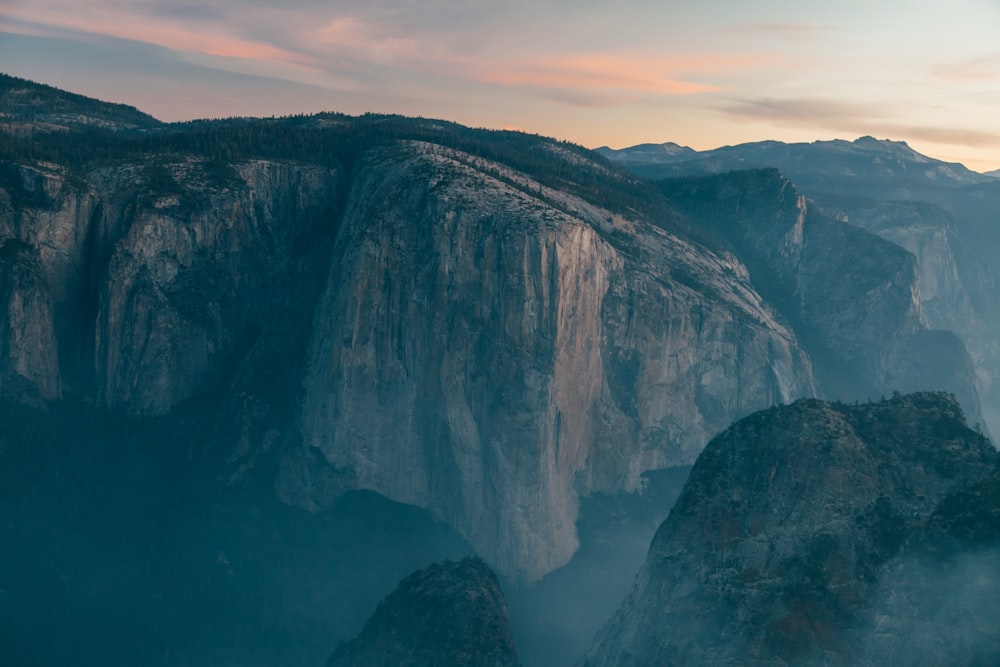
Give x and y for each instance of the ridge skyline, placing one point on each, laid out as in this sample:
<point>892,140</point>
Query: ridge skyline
<point>673,147</point>
<point>705,76</point>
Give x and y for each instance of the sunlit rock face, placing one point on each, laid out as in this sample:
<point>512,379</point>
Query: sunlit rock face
<point>492,353</point>
<point>431,325</point>
<point>463,338</point>
<point>446,330</point>
<point>818,533</point>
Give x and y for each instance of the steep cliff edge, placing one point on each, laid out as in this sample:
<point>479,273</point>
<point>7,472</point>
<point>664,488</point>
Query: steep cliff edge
<point>957,282</point>
<point>814,534</point>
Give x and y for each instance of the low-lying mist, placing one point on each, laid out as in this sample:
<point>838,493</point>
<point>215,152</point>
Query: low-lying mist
<point>120,550</point>
<point>115,553</point>
<point>555,620</point>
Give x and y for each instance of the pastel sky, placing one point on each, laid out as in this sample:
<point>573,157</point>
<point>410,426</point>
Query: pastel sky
<point>596,72</point>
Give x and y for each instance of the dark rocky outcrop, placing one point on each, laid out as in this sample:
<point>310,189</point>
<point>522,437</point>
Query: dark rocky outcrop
<point>452,613</point>
<point>820,533</point>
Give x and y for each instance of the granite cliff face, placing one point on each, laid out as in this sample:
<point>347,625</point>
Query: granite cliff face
<point>28,347</point>
<point>957,282</point>
<point>491,347</point>
<point>484,345</point>
<point>451,613</point>
<point>819,533</point>
<point>196,275</point>
<point>147,287</point>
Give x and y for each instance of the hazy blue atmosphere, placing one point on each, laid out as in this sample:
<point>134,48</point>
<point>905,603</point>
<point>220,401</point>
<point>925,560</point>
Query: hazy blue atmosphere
<point>526,335</point>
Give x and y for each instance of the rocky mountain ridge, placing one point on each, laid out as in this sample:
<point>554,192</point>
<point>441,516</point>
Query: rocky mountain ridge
<point>487,325</point>
<point>942,213</point>
<point>877,163</point>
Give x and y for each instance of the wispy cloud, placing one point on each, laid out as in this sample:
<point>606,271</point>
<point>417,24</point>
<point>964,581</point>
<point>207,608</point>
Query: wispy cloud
<point>611,79</point>
<point>365,38</point>
<point>811,111</point>
<point>46,18</point>
<point>955,136</point>
<point>984,69</point>
<point>361,39</point>
<point>786,31</point>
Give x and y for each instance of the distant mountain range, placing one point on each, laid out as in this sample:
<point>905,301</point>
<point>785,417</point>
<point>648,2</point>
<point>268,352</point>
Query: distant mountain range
<point>880,162</point>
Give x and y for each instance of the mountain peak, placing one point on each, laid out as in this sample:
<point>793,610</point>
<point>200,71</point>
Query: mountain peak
<point>869,140</point>
<point>675,149</point>
<point>888,145</point>
<point>653,153</point>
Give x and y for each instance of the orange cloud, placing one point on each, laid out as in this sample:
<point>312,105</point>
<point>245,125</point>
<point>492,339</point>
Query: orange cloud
<point>583,79</point>
<point>366,38</point>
